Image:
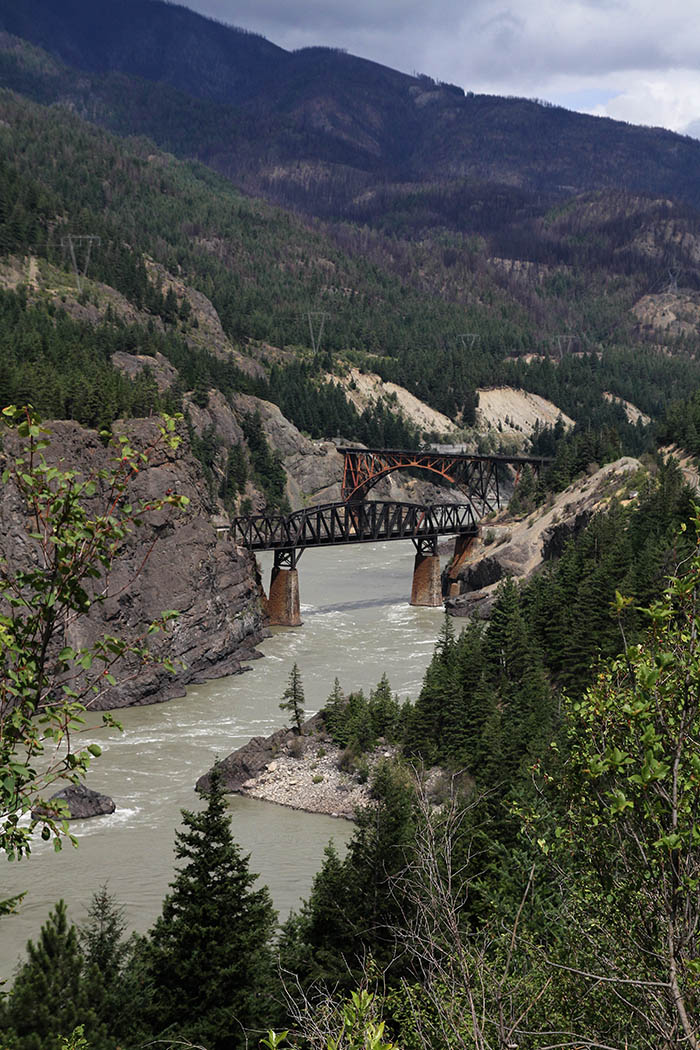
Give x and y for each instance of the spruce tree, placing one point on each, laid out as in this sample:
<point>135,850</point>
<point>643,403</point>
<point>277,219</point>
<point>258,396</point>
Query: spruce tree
<point>425,734</point>
<point>208,959</point>
<point>384,710</point>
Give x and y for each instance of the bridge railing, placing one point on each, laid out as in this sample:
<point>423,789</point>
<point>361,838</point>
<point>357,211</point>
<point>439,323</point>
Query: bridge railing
<point>333,523</point>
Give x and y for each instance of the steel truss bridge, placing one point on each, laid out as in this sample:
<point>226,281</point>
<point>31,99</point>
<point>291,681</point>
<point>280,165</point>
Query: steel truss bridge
<point>357,520</point>
<point>334,523</point>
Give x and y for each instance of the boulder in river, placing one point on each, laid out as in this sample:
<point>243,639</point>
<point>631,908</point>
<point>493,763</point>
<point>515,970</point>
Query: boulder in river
<point>82,803</point>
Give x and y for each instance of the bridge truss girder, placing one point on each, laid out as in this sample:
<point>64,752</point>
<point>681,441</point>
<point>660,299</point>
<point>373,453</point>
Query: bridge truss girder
<point>335,523</point>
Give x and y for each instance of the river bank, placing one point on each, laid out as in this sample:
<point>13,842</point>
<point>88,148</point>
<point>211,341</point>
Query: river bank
<point>302,770</point>
<point>313,782</point>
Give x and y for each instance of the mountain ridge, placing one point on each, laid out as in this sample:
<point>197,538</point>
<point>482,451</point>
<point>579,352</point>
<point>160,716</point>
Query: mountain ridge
<point>356,124</point>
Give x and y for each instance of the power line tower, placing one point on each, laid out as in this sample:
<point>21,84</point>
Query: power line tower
<point>563,344</point>
<point>317,320</point>
<point>74,244</point>
<point>672,285</point>
<point>468,339</point>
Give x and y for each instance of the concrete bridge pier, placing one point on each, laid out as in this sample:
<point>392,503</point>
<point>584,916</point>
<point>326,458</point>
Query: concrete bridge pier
<point>283,602</point>
<point>464,545</point>
<point>427,584</point>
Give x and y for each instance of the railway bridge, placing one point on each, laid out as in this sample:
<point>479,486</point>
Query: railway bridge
<point>359,520</point>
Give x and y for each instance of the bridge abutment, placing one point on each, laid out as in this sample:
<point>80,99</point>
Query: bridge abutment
<point>427,583</point>
<point>464,545</point>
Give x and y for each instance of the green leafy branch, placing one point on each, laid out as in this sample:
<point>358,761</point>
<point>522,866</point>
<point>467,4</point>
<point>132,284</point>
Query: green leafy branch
<point>76,528</point>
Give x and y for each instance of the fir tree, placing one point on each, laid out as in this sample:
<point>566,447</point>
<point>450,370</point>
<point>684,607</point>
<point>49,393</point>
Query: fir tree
<point>208,959</point>
<point>334,710</point>
<point>293,698</point>
<point>106,954</point>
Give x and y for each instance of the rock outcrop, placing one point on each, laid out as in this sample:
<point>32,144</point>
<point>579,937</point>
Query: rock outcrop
<point>175,560</point>
<point>668,314</point>
<point>81,801</point>
<point>514,413</point>
<point>302,771</point>
<point>519,548</point>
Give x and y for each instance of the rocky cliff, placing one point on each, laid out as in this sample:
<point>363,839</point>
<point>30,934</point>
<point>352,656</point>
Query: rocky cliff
<point>188,567</point>
<point>519,547</point>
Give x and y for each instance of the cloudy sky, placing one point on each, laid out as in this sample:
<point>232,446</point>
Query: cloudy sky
<point>635,60</point>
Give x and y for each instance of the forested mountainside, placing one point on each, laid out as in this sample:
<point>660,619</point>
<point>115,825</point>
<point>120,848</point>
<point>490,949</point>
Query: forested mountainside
<point>599,321</point>
<point>321,128</point>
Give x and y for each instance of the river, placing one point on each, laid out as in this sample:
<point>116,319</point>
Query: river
<point>357,625</point>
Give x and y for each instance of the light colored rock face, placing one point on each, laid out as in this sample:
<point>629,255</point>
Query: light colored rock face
<point>519,548</point>
<point>47,281</point>
<point>655,239</point>
<point>514,413</point>
<point>364,389</point>
<point>132,365</point>
<point>671,313</point>
<point>315,468</point>
<point>212,583</point>
<point>217,414</point>
<point>209,333</point>
<point>634,414</point>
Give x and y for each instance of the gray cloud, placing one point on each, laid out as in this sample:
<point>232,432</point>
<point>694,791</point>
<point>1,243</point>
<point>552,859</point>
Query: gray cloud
<point>640,57</point>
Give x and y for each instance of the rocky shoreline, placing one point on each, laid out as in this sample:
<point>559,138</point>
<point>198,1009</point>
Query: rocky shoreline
<point>302,770</point>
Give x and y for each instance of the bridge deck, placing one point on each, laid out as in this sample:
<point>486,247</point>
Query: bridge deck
<point>335,523</point>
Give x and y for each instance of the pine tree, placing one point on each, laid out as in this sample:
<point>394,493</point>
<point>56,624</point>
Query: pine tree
<point>293,698</point>
<point>51,995</point>
<point>208,959</point>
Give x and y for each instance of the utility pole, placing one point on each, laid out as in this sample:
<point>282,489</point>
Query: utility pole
<point>72,242</point>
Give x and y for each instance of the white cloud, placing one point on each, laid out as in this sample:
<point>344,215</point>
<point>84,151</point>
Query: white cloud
<point>639,56</point>
<point>669,99</point>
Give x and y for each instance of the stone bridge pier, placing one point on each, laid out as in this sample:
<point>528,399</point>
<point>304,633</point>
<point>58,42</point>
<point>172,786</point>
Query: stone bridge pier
<point>427,588</point>
<point>427,584</point>
<point>283,603</point>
